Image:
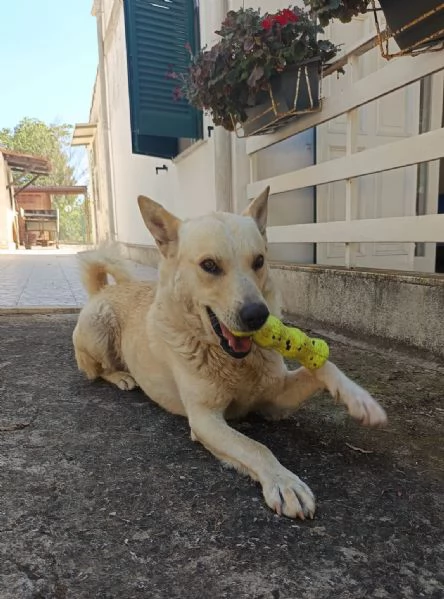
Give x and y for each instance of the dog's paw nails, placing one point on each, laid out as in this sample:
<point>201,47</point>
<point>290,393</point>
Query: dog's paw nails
<point>126,383</point>
<point>288,495</point>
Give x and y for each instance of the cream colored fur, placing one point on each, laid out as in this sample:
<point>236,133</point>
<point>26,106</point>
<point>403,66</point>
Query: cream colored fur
<point>158,336</point>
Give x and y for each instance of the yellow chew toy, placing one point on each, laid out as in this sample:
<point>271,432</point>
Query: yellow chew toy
<point>290,342</point>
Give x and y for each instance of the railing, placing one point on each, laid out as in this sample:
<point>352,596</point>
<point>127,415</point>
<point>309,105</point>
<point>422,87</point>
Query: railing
<point>408,151</point>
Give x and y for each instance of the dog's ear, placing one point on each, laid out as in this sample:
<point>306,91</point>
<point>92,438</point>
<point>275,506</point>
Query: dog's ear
<point>258,210</point>
<point>162,225</point>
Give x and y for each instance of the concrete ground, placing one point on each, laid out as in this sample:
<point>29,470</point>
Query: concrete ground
<point>103,495</point>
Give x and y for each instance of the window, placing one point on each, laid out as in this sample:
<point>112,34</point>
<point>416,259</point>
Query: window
<point>157,33</point>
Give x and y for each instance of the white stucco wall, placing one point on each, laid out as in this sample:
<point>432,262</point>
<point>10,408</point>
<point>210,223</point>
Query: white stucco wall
<point>107,9</point>
<point>98,168</point>
<point>270,6</point>
<point>187,188</point>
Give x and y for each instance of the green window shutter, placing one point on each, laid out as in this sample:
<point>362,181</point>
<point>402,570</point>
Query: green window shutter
<point>157,32</point>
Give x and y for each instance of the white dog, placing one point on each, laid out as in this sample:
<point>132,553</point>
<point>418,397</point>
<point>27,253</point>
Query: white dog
<point>173,338</point>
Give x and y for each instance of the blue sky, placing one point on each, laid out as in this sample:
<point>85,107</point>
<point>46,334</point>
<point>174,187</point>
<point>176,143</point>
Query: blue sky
<point>48,57</point>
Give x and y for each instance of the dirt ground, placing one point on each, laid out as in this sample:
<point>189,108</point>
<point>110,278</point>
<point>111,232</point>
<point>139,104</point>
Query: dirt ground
<point>103,495</point>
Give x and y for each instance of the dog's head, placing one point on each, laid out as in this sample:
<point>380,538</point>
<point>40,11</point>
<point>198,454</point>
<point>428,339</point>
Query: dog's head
<point>215,266</point>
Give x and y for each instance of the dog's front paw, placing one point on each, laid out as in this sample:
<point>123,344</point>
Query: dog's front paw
<point>287,494</point>
<point>360,404</point>
<point>126,382</point>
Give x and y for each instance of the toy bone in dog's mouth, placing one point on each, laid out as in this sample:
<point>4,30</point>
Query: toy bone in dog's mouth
<point>290,342</point>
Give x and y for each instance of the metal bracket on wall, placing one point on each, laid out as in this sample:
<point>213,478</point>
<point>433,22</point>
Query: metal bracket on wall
<point>30,182</point>
<point>210,130</point>
<point>161,168</point>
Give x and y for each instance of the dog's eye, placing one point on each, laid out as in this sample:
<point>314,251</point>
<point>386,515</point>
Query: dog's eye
<point>258,262</point>
<point>211,267</point>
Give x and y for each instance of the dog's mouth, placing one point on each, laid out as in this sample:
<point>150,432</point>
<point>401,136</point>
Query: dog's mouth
<point>236,347</point>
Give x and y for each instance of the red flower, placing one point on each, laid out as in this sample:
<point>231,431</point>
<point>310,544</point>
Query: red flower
<point>290,15</point>
<point>267,23</point>
<point>283,17</point>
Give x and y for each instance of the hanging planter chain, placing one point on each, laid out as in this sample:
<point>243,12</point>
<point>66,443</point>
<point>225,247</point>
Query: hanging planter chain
<point>385,36</point>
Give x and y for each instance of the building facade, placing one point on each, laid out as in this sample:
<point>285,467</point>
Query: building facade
<point>355,188</point>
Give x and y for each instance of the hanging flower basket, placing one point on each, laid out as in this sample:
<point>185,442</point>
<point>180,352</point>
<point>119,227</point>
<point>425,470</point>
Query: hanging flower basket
<point>290,94</point>
<point>264,71</point>
<point>415,26</point>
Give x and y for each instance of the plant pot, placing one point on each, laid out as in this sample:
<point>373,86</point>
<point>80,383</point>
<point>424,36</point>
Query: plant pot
<point>291,93</point>
<point>399,13</point>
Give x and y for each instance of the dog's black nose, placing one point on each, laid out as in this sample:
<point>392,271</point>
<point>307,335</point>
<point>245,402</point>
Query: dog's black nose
<point>253,316</point>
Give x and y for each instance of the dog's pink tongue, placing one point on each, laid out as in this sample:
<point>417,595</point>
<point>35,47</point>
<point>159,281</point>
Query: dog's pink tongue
<point>237,344</point>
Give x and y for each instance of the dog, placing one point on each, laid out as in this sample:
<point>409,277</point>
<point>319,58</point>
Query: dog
<point>173,339</point>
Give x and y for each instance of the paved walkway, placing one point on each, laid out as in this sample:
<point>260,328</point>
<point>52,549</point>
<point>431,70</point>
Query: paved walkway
<point>47,278</point>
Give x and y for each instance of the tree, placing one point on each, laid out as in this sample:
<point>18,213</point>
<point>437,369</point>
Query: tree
<point>32,136</point>
<point>72,217</point>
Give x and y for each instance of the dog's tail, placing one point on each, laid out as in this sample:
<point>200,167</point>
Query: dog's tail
<point>96,265</point>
